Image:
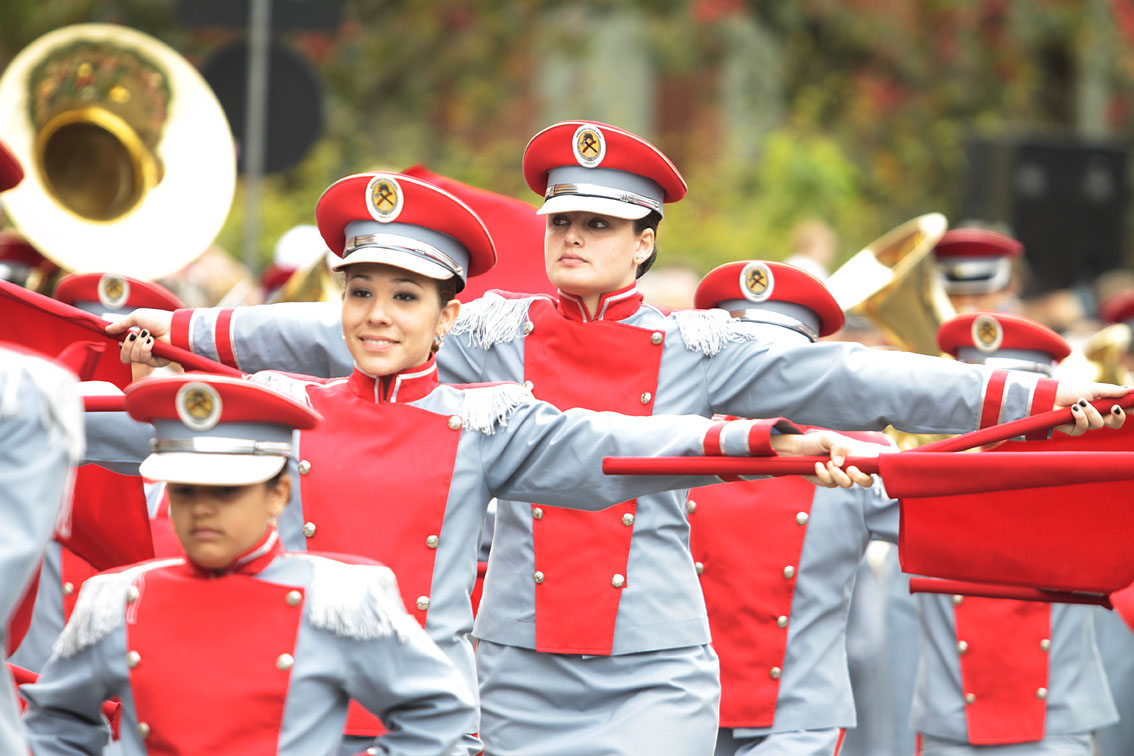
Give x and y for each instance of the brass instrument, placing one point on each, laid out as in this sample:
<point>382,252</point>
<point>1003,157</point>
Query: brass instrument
<point>1106,351</point>
<point>893,282</point>
<point>315,283</point>
<point>129,160</point>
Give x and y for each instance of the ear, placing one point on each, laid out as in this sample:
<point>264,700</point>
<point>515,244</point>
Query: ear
<point>448,317</point>
<point>644,246</point>
<point>279,496</point>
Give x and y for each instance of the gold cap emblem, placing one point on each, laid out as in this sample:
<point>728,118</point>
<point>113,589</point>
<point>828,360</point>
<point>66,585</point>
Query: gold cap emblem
<point>385,198</point>
<point>113,291</point>
<point>198,405</point>
<point>757,281</point>
<point>987,333</point>
<point>589,145</point>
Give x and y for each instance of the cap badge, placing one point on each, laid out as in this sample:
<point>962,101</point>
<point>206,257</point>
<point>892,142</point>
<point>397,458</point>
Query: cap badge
<point>384,197</point>
<point>757,281</point>
<point>987,333</point>
<point>113,291</point>
<point>198,406</point>
<point>589,145</point>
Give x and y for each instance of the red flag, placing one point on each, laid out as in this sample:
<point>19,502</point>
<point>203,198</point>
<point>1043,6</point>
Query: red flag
<point>110,524</point>
<point>1014,592</point>
<point>1076,537</point>
<point>49,327</point>
<point>516,230</point>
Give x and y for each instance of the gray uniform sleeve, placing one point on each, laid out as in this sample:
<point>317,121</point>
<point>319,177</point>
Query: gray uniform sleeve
<point>117,442</point>
<point>295,337</point>
<point>64,714</point>
<point>550,457</point>
<point>841,385</point>
<point>414,689</point>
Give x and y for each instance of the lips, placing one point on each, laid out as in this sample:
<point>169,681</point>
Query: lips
<point>206,534</point>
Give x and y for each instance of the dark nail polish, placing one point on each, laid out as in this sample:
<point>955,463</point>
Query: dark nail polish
<point>1075,408</point>
<point>1083,403</point>
<point>1116,410</point>
<point>131,337</point>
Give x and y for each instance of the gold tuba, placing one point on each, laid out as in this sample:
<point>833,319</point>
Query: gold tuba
<point>893,282</point>
<point>129,160</point>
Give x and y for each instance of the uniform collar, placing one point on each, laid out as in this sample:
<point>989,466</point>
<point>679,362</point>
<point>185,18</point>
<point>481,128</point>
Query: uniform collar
<point>409,385</point>
<point>614,305</point>
<point>251,562</point>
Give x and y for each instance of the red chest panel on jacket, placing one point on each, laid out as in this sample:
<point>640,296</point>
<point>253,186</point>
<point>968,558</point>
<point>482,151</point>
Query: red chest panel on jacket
<point>599,366</point>
<point>377,487</point>
<point>378,484</point>
<point>74,570</point>
<point>744,537</point>
<point>200,686</point>
<point>1004,666</point>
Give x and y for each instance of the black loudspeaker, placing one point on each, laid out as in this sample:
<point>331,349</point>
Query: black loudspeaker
<point>295,101</point>
<point>1069,208</point>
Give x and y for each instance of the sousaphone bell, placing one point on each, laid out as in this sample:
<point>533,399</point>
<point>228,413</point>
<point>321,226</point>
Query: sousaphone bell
<point>130,164</point>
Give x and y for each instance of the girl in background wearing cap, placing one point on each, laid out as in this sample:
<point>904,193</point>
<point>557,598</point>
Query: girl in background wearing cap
<point>238,647</point>
<point>778,558</point>
<point>402,468</point>
<point>610,646</point>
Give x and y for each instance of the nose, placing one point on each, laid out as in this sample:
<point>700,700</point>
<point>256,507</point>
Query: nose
<point>377,314</point>
<point>573,235</point>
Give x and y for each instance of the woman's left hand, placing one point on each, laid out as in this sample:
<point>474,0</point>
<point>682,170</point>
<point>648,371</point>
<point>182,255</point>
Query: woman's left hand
<point>835,446</point>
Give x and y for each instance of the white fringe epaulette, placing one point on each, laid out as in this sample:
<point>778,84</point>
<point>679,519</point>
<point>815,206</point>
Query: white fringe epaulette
<point>101,608</point>
<point>709,331</point>
<point>356,601</point>
<point>61,409</point>
<point>485,408</point>
<point>293,388</point>
<point>492,319</point>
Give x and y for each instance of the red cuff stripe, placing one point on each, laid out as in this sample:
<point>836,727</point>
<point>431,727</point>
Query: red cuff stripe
<point>993,398</point>
<point>713,440</point>
<point>760,438</point>
<point>1043,400</point>
<point>179,334</point>
<point>223,337</point>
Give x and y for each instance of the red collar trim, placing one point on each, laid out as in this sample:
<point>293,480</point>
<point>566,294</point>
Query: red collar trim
<point>407,386</point>
<point>614,305</point>
<point>251,562</point>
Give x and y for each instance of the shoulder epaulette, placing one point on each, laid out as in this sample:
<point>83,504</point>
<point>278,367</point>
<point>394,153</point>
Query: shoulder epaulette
<point>101,606</point>
<point>288,385</point>
<point>709,331</point>
<point>492,319</point>
<point>61,410</point>
<point>484,408</point>
<point>357,601</point>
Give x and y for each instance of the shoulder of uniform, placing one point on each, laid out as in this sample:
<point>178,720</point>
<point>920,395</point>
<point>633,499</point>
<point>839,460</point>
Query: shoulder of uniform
<point>59,407</point>
<point>101,606</point>
<point>487,406</point>
<point>494,317</point>
<point>359,601</point>
<point>292,386</point>
<point>709,331</point>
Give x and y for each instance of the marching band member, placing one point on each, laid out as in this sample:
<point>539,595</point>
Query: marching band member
<point>610,601</point>
<point>238,647</point>
<point>778,558</point>
<point>1001,676</point>
<point>406,247</point>
<point>975,266</point>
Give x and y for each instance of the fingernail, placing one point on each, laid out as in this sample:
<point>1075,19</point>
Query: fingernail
<point>1116,410</point>
<point>838,461</point>
<point>131,337</point>
<point>150,340</point>
<point>145,333</point>
<point>1082,402</point>
<point>1075,408</point>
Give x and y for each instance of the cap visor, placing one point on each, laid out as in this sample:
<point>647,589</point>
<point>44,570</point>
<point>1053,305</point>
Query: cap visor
<point>211,469</point>
<point>578,203</point>
<point>394,258</point>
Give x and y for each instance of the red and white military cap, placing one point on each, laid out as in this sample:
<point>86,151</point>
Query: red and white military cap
<point>975,260</point>
<point>771,292</point>
<point>11,172</point>
<point>399,220</point>
<point>215,430</point>
<point>110,294</point>
<point>1118,307</point>
<point>592,167</point>
<point>1004,341</point>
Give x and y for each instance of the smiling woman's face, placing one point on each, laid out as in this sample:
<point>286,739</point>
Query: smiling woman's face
<point>587,254</point>
<point>390,316</point>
